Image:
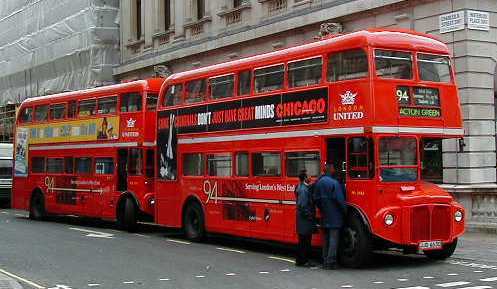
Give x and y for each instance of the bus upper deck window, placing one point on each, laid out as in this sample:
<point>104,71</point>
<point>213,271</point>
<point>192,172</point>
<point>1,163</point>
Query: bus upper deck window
<point>173,95</point>
<point>222,86</point>
<point>305,72</point>
<point>393,64</point>
<point>195,90</point>
<point>27,114</point>
<point>347,65</point>
<point>152,101</point>
<point>244,79</point>
<point>41,113</point>
<point>107,105</point>
<point>269,78</point>
<point>131,102</point>
<point>58,111</point>
<point>434,68</point>
<point>87,107</point>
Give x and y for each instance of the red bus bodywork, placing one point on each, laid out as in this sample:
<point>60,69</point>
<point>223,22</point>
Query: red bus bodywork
<point>292,119</point>
<point>82,157</point>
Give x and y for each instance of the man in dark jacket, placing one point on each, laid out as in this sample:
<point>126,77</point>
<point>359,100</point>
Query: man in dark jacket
<point>330,200</point>
<point>305,219</point>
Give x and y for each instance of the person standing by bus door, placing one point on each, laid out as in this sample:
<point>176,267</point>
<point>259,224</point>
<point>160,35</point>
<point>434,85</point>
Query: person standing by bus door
<point>330,200</point>
<point>305,214</point>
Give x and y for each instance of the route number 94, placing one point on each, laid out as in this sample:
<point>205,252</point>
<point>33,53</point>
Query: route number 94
<point>402,94</point>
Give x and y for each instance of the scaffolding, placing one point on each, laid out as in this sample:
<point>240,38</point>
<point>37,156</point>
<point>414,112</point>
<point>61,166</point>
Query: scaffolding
<point>49,46</point>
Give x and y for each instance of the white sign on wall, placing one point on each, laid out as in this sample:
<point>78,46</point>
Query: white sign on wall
<point>478,20</point>
<point>451,22</point>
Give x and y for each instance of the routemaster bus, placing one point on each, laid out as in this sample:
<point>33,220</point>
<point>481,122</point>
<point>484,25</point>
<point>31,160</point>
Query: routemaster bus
<point>233,137</point>
<point>88,153</point>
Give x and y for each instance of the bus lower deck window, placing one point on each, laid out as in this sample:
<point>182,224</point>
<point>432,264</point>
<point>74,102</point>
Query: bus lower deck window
<point>298,161</point>
<point>83,166</point>
<point>219,165</point>
<point>55,165</point>
<point>104,166</point>
<point>193,164</point>
<point>266,164</point>
<point>38,164</point>
<point>242,164</point>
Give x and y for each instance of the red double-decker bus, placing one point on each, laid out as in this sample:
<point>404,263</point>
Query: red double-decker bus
<point>233,137</point>
<point>88,153</point>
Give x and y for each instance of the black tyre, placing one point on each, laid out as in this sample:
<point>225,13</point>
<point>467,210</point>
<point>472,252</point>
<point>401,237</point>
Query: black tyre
<point>37,206</point>
<point>355,247</point>
<point>127,216</point>
<point>444,253</point>
<point>194,222</point>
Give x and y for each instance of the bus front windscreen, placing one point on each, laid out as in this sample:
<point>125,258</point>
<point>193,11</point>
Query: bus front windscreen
<point>398,159</point>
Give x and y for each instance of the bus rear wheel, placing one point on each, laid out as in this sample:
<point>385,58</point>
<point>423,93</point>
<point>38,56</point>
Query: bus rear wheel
<point>127,216</point>
<point>37,206</point>
<point>355,247</point>
<point>193,222</point>
<point>444,253</point>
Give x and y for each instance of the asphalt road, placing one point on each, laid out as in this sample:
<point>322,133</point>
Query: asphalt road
<point>73,253</point>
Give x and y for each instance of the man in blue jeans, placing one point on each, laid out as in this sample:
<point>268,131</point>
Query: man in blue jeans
<point>330,199</point>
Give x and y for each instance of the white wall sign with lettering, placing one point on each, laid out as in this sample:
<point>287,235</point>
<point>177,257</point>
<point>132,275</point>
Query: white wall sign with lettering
<point>451,22</point>
<point>478,20</point>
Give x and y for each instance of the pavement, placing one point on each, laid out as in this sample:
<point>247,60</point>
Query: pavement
<point>8,283</point>
<point>70,253</point>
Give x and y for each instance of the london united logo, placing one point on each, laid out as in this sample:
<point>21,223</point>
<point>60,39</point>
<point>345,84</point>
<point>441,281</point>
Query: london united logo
<point>348,109</point>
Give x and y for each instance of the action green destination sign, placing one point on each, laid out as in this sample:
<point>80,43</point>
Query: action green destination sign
<point>419,112</point>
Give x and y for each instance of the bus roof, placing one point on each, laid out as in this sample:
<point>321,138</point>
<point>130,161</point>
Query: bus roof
<point>143,84</point>
<point>381,38</point>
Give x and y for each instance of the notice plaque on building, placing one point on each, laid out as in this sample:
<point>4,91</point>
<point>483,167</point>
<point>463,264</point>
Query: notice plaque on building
<point>478,20</point>
<point>451,22</point>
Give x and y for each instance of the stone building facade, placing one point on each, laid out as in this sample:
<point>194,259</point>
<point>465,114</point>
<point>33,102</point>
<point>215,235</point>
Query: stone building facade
<point>191,33</point>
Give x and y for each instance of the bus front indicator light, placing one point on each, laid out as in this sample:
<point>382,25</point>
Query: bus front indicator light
<point>458,216</point>
<point>389,219</point>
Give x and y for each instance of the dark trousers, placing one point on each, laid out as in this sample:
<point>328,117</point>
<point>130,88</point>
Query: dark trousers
<point>303,249</point>
<point>330,245</point>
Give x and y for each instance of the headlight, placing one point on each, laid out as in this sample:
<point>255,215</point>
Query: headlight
<point>151,201</point>
<point>389,219</point>
<point>458,216</point>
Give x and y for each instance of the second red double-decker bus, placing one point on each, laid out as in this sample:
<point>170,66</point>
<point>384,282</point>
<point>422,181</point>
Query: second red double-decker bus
<point>233,137</point>
<point>88,153</point>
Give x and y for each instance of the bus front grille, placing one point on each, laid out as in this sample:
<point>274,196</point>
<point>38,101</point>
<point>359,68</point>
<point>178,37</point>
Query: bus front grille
<point>430,223</point>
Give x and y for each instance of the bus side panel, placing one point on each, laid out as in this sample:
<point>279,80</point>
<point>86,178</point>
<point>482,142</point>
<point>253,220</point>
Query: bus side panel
<point>20,194</point>
<point>168,205</point>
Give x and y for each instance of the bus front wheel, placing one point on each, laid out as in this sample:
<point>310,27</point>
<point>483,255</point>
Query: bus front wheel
<point>444,253</point>
<point>127,217</point>
<point>37,206</point>
<point>193,222</point>
<point>355,247</point>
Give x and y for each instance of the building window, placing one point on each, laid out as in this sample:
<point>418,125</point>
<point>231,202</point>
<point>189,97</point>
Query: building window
<point>199,9</point>
<point>167,14</point>
<point>237,3</point>
<point>276,6</point>
<point>138,18</point>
